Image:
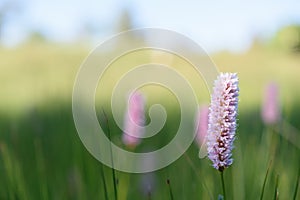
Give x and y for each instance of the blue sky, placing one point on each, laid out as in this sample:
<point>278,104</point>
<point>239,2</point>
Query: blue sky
<point>214,24</point>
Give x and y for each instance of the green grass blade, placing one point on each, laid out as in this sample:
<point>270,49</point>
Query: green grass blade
<point>170,190</point>
<point>111,154</point>
<point>203,182</point>
<point>276,188</point>
<point>8,170</point>
<point>17,185</point>
<point>104,183</point>
<point>297,185</point>
<point>41,169</point>
<point>265,180</point>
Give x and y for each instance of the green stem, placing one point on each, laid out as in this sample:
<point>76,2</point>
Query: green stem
<point>104,183</point>
<point>41,169</point>
<point>190,162</point>
<point>112,162</point>
<point>265,180</point>
<point>297,185</point>
<point>170,190</point>
<point>276,188</point>
<point>223,185</point>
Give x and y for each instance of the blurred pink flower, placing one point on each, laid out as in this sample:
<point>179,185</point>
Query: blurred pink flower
<point>201,124</point>
<point>134,120</point>
<point>222,120</point>
<point>270,108</point>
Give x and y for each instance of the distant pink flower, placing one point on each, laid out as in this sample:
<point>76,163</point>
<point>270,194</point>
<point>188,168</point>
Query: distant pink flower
<point>270,109</point>
<point>202,124</point>
<point>134,120</point>
<point>222,120</point>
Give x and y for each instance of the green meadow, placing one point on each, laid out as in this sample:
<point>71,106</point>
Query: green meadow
<point>42,157</point>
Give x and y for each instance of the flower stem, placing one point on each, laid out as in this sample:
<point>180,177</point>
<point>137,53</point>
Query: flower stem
<point>223,185</point>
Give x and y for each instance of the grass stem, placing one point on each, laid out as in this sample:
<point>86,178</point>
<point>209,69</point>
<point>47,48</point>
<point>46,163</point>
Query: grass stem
<point>297,185</point>
<point>104,183</point>
<point>265,180</point>
<point>276,188</point>
<point>170,190</point>
<point>112,160</point>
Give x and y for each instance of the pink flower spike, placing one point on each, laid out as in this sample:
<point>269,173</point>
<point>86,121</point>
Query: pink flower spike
<point>271,111</point>
<point>134,120</point>
<point>222,120</point>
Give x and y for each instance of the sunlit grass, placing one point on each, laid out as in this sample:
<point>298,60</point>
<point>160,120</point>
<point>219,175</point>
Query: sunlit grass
<point>33,74</point>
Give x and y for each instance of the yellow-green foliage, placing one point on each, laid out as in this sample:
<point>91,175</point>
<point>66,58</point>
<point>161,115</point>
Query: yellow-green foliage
<point>35,74</point>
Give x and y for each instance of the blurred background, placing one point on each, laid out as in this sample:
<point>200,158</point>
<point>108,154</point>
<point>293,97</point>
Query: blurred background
<point>42,45</point>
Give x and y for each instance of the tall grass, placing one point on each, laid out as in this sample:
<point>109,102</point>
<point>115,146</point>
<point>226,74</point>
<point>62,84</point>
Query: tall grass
<point>42,157</point>
<point>46,160</point>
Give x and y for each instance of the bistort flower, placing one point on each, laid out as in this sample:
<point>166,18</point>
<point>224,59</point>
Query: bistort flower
<point>271,109</point>
<point>134,120</point>
<point>222,120</point>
